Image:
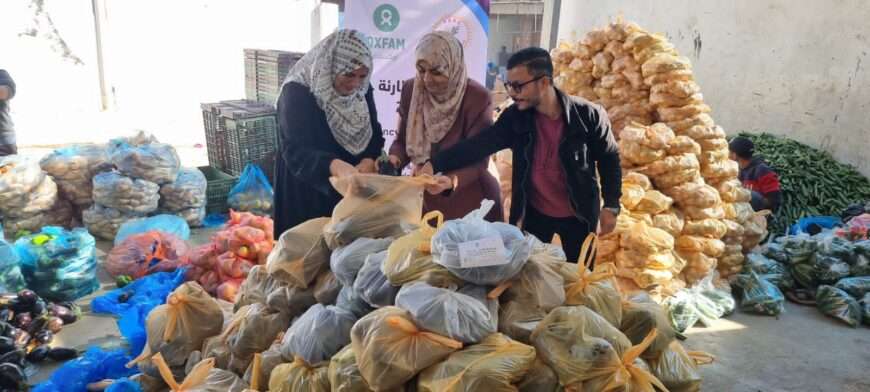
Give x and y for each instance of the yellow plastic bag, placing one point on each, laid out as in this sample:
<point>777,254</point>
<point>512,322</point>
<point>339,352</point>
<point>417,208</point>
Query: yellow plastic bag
<point>664,62</point>
<point>344,375</point>
<point>672,179</point>
<point>756,226</point>
<point>298,376</point>
<point>679,113</point>
<point>670,221</point>
<point>180,326</point>
<point>630,259</point>
<point>493,365</point>
<point>518,318</point>
<point>628,373</point>
<point>682,74</point>
<point>409,258</point>
<point>203,378</point>
<point>575,341</point>
<point>538,283</point>
<point>700,132</point>
<point>709,246</point>
<point>374,206</point>
<point>626,220</point>
<point>695,213</point>
<point>682,125</point>
<point>684,145</point>
<point>642,315</point>
<point>711,156</point>
<point>638,154</point>
<point>653,202</point>
<point>695,195</point>
<point>391,350</point>
<point>636,179</point>
<point>668,100</point>
<point>678,369</point>
<point>709,228</point>
<point>671,164</point>
<point>743,212</point>
<point>595,289</point>
<point>300,254</point>
<point>645,278</point>
<point>718,144</point>
<point>679,88</point>
<point>725,168</point>
<point>631,195</point>
<point>540,378</point>
<point>656,136</point>
<point>644,239</point>
<point>608,244</point>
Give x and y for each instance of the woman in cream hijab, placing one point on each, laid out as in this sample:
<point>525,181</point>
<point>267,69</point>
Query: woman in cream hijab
<point>440,107</point>
<point>327,126</point>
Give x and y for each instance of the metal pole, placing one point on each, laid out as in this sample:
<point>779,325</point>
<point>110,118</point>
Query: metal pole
<point>99,10</point>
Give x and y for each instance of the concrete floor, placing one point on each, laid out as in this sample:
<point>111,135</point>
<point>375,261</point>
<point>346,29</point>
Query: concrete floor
<point>801,351</point>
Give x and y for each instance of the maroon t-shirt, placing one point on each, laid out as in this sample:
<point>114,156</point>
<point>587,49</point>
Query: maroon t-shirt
<point>549,193</point>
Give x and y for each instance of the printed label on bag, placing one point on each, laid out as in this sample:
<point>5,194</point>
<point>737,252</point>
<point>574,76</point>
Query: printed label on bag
<point>482,253</point>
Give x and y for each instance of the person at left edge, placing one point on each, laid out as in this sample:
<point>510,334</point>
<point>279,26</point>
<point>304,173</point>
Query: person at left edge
<point>7,129</point>
<point>328,126</point>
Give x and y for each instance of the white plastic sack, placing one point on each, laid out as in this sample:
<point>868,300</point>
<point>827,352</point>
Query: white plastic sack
<point>473,227</point>
<point>73,168</point>
<point>125,194</point>
<point>142,156</point>
<point>318,334</point>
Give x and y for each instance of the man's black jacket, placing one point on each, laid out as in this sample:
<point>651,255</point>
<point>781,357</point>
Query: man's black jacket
<point>587,144</point>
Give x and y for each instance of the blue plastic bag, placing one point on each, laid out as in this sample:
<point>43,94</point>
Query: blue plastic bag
<point>813,224</point>
<point>252,193</point>
<point>59,265</point>
<point>11,279</point>
<point>169,224</point>
<point>143,295</point>
<point>95,365</point>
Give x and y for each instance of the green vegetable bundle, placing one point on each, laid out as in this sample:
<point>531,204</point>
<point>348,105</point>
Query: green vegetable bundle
<point>838,304</point>
<point>813,182</point>
<point>760,296</point>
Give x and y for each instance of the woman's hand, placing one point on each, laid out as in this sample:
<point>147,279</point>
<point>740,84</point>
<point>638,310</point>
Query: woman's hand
<point>367,165</point>
<point>442,183</point>
<point>339,168</point>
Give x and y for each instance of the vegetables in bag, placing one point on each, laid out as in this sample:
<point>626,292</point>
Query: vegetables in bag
<point>73,169</point>
<point>59,265</point>
<point>640,316</point>
<point>318,334</point>
<point>390,349</point>
<point>540,378</point>
<point>512,248</point>
<point>299,376</point>
<point>761,296</point>
<point>345,262</point>
<point>678,369</point>
<point>374,206</point>
<point>839,305</point>
<point>538,284</point>
<point>252,193</point>
<point>11,279</point>
<point>446,312</point>
<point>143,254</point>
<point>857,286</point>
<point>300,254</point>
<point>326,288</point>
<point>185,192</point>
<point>344,375</point>
<point>518,319</point>
<point>595,289</point>
<point>142,156</point>
<point>495,364</point>
<point>409,258</point>
<point>372,285</point>
<point>104,222</point>
<point>349,300</point>
<point>204,377</point>
<point>125,194</point>
<point>255,331</point>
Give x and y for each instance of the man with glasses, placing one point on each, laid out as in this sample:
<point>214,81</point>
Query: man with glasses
<point>560,145</point>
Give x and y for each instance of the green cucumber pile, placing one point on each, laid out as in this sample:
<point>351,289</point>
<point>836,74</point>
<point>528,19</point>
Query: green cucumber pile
<point>813,182</point>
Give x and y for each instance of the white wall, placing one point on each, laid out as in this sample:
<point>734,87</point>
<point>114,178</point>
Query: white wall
<point>163,58</point>
<point>795,68</point>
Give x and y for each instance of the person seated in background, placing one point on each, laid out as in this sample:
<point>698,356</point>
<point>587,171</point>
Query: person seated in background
<point>7,130</point>
<point>756,175</point>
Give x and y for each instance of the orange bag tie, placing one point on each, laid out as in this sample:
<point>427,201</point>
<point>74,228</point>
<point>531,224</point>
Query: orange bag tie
<point>499,290</point>
<point>428,231</point>
<point>255,371</point>
<point>145,354</point>
<point>627,370</point>
<point>408,327</point>
<point>584,274</point>
<point>195,378</point>
<point>235,323</point>
<point>175,302</point>
<point>701,357</point>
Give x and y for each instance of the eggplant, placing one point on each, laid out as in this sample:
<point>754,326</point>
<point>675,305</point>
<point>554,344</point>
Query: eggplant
<point>44,337</point>
<point>39,307</point>
<point>23,320</point>
<point>68,312</point>
<point>6,344</point>
<point>27,297</point>
<point>62,354</point>
<point>15,356</point>
<point>6,329</point>
<point>38,354</point>
<point>38,324</point>
<point>6,315</point>
<point>12,377</point>
<point>55,324</point>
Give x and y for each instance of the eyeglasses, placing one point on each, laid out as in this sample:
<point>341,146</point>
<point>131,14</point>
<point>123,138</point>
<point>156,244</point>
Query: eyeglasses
<point>518,87</point>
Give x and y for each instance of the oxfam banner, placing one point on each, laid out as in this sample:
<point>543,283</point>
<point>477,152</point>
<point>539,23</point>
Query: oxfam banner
<point>393,28</point>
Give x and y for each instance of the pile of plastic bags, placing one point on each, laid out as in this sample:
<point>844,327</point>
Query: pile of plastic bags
<point>406,305</point>
<point>678,177</point>
<point>143,157</point>
<point>73,169</point>
<point>186,196</point>
<point>223,264</point>
<point>59,265</point>
<point>29,198</point>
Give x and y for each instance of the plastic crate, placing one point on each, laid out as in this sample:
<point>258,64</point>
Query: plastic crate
<point>241,132</point>
<point>218,190</point>
<point>265,71</point>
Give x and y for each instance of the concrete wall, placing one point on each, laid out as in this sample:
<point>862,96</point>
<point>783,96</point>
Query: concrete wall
<point>794,68</point>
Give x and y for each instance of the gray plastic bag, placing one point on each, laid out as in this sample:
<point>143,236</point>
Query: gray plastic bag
<point>446,312</point>
<point>318,334</point>
<point>372,285</point>
<point>346,261</point>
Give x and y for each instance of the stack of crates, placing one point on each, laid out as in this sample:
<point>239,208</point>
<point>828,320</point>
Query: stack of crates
<point>265,71</point>
<point>240,132</point>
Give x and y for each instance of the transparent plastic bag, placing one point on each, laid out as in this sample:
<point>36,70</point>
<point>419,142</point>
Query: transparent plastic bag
<point>349,300</point>
<point>252,193</point>
<point>269,360</point>
<point>539,284</point>
<point>195,217</point>
<point>318,334</point>
<point>645,239</point>
<point>670,221</point>
<point>104,222</point>
<point>540,378</point>
<point>146,253</point>
<point>575,341</point>
<point>300,254</point>
<point>678,369</point>
<point>61,215</point>
<point>495,364</point>
<point>11,279</point>
<point>73,169</point>
<point>446,247</point>
<point>518,318</point>
<point>327,288</point>
<point>256,331</point>
<point>168,224</point>
<point>761,296</point>
<point>839,304</point>
<point>856,286</point>
<point>640,316</point>
<point>19,177</point>
<point>299,376</point>
<point>391,350</point>
<point>125,194</point>
<point>372,285</point>
<point>374,206</point>
<point>446,312</point>
<point>204,377</point>
<point>596,288</point>
<point>409,257</point>
<point>59,265</point>
<point>344,374</point>
<point>186,192</point>
<point>142,156</point>
<point>703,303</point>
<point>39,201</point>
<point>345,262</point>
